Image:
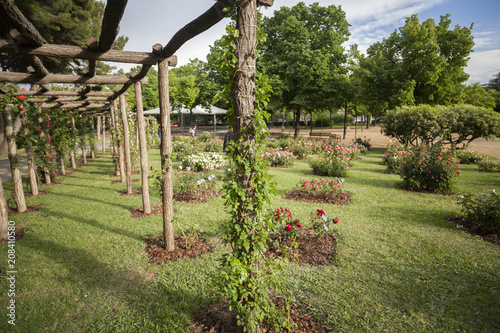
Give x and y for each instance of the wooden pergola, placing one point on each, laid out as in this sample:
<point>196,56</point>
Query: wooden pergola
<point>25,40</point>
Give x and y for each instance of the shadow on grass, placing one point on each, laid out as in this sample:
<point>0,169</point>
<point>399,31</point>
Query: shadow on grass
<point>139,299</point>
<point>92,200</point>
<point>95,223</point>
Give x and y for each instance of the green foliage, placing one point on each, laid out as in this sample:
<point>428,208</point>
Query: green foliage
<point>320,222</point>
<point>429,168</point>
<point>205,136</point>
<point>213,145</point>
<point>319,187</point>
<point>457,124</point>
<point>182,148</point>
<point>331,164</point>
<point>468,157</point>
<point>483,210</point>
<point>476,95</point>
<point>286,229</point>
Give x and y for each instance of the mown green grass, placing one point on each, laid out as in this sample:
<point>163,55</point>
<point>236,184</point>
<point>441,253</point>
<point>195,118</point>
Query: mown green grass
<point>400,266</point>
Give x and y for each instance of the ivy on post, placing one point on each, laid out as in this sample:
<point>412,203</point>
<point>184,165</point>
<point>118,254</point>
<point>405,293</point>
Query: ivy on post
<point>126,140</point>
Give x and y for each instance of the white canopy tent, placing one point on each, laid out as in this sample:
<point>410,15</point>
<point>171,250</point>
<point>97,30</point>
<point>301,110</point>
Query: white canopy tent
<point>198,110</point>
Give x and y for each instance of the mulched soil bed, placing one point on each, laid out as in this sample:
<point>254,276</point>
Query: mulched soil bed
<point>312,250</point>
<point>68,173</point>
<point>119,181</point>
<point>404,188</point>
<point>487,171</point>
<point>468,226</point>
<point>54,182</point>
<point>29,209</point>
<point>139,212</point>
<point>202,197</point>
<point>28,194</point>
<point>218,319</point>
<point>158,255</point>
<point>299,195</point>
<point>124,193</point>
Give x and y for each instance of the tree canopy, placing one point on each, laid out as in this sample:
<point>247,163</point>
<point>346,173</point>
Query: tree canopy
<point>421,63</point>
<point>303,55</point>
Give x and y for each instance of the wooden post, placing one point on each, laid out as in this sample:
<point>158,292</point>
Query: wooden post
<point>143,146</point>
<point>63,167</point>
<point>14,161</point>
<point>103,135</point>
<point>42,137</point>
<point>166,156</point>
<point>119,143</point>
<point>72,153</point>
<point>4,216</point>
<point>126,140</point>
<point>84,154</point>
<point>98,127</point>
<point>29,156</point>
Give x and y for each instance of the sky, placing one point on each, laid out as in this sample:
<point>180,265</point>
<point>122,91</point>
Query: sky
<point>148,22</point>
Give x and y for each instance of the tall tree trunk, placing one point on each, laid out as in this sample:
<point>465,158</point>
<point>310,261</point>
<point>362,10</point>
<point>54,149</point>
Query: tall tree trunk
<point>283,121</point>
<point>311,122</point>
<point>331,119</point>
<point>166,156</point>
<point>297,123</point>
<point>126,140</point>
<point>4,216</point>
<point>14,161</point>
<point>345,120</point>
<point>143,146</point>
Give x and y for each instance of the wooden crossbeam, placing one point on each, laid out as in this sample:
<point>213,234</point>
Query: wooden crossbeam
<point>56,93</point>
<point>73,106</point>
<point>56,99</point>
<point>68,51</point>
<point>65,78</point>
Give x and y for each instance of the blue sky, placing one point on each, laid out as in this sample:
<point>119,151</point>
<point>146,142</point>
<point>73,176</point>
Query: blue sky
<point>148,22</point>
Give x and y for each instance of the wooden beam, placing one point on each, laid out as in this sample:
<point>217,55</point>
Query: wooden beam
<point>68,51</point>
<point>64,78</point>
<point>10,13</point>
<point>55,93</point>
<point>55,99</point>
<point>110,23</point>
<point>73,106</point>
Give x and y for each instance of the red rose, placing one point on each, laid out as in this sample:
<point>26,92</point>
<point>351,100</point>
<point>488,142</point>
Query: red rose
<point>288,227</point>
<point>21,97</point>
<point>299,225</point>
<point>336,220</point>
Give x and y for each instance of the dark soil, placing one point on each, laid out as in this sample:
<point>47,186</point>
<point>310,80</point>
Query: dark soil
<point>54,182</point>
<point>468,226</point>
<point>124,193</point>
<point>28,194</point>
<point>29,209</point>
<point>404,188</point>
<point>119,181</point>
<point>312,250</point>
<point>155,248</point>
<point>299,195</point>
<point>68,173</point>
<point>139,212</point>
<point>218,319</point>
<point>487,171</point>
<point>199,198</point>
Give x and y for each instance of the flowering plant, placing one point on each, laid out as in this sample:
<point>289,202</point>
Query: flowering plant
<point>482,210</point>
<point>320,221</point>
<point>288,229</point>
<point>429,168</point>
<point>278,157</point>
<point>393,158</point>
<point>213,145</point>
<point>320,187</point>
<point>488,165</point>
<point>202,162</point>
<point>331,164</point>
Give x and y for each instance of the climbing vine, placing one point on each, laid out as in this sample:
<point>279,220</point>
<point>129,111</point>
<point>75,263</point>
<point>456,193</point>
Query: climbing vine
<point>245,275</point>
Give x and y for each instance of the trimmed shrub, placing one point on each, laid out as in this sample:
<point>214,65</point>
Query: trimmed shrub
<point>202,162</point>
<point>393,158</point>
<point>428,168</point>
<point>483,210</point>
<point>213,145</point>
<point>487,165</point>
<point>468,157</point>
<point>278,157</point>
<point>181,148</point>
<point>331,164</point>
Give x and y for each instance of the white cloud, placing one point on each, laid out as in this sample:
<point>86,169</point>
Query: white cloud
<point>483,65</point>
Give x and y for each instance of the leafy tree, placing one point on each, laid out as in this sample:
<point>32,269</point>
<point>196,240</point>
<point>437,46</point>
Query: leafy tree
<point>476,95</point>
<point>191,86</point>
<point>494,83</point>
<point>304,56</point>
<point>60,22</point>
<point>150,99</point>
<point>418,64</point>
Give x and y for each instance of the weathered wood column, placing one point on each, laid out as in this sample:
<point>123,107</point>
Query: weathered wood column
<point>126,140</point>
<point>46,171</point>
<point>4,215</point>
<point>29,156</point>
<point>166,156</point>
<point>14,161</point>
<point>103,135</point>
<point>98,127</point>
<point>72,152</point>
<point>143,146</point>
<point>119,145</point>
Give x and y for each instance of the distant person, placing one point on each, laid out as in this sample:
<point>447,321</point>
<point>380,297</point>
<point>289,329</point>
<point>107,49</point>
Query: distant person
<point>194,130</point>
<point>191,131</point>
<point>227,139</point>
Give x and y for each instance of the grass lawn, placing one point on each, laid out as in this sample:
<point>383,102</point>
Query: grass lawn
<point>401,267</point>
